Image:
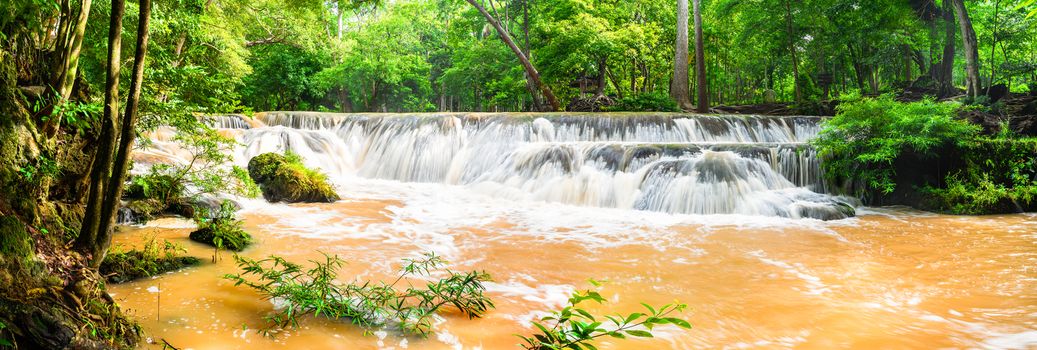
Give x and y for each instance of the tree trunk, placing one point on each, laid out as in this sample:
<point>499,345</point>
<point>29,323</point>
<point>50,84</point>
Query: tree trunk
<point>600,89</point>
<point>946,73</point>
<point>530,70</point>
<point>70,56</point>
<point>792,50</point>
<point>968,38</point>
<point>700,63</point>
<point>679,84</point>
<point>993,46</point>
<point>87,240</point>
<point>127,135</point>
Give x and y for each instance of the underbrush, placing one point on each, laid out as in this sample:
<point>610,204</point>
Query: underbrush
<point>1000,176</point>
<point>153,259</point>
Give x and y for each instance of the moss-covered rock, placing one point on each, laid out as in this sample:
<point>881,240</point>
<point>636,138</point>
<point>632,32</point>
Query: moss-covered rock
<point>119,267</point>
<point>232,238</point>
<point>285,179</point>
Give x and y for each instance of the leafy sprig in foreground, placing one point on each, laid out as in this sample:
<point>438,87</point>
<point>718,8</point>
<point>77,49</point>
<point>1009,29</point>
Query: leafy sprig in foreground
<point>575,328</point>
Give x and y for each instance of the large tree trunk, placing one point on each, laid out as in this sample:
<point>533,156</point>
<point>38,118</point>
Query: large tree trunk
<point>968,38</point>
<point>69,44</point>
<point>127,132</point>
<point>945,76</point>
<point>679,84</point>
<point>792,50</point>
<point>700,63</point>
<point>530,70</point>
<point>87,240</point>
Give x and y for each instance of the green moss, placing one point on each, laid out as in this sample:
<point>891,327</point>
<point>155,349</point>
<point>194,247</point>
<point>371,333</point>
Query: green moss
<point>15,243</point>
<point>283,178</point>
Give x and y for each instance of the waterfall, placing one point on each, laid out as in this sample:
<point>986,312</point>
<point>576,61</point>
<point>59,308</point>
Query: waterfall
<point>676,163</point>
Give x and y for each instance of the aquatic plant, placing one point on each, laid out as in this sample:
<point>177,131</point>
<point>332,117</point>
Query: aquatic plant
<point>573,327</point>
<point>314,291</point>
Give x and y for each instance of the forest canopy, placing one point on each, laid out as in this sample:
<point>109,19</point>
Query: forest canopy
<point>437,55</point>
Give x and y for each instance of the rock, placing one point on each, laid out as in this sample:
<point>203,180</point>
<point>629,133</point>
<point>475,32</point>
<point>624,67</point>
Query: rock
<point>285,179</point>
<point>590,104</point>
<point>997,92</point>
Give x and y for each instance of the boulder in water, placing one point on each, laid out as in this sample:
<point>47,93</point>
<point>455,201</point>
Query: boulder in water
<point>284,179</point>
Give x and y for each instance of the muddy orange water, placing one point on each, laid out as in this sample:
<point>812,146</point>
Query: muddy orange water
<point>889,278</point>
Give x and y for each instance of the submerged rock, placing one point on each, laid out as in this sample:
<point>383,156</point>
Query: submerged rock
<point>233,238</point>
<point>285,179</point>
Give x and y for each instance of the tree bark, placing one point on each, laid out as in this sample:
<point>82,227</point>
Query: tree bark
<point>128,134</point>
<point>679,84</point>
<point>792,50</point>
<point>968,38</point>
<point>70,61</point>
<point>530,70</point>
<point>87,240</point>
<point>946,73</point>
<point>700,63</point>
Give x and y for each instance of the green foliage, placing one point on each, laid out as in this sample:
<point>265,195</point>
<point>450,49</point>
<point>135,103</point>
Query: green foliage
<point>126,265</point>
<point>81,116</point>
<point>867,135</point>
<point>573,327</point>
<point>221,229</point>
<point>646,102</point>
<point>367,304</point>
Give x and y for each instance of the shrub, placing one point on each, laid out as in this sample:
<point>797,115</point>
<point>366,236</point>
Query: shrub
<point>367,304</point>
<point>868,134</point>
<point>221,229</point>
<point>645,102</point>
<point>123,266</point>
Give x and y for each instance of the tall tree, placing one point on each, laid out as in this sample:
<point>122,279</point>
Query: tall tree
<point>700,63</point>
<point>87,240</point>
<point>679,83</point>
<point>790,32</point>
<point>127,135</point>
<point>968,39</point>
<point>530,70</point>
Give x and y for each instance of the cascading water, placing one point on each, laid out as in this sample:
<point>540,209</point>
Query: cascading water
<point>693,164</point>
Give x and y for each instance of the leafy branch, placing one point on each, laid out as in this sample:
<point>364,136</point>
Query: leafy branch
<point>573,327</point>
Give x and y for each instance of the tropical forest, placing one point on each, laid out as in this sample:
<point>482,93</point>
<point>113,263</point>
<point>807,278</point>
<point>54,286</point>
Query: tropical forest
<point>518,174</point>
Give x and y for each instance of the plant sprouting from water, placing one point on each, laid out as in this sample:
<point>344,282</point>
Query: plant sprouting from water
<point>368,304</point>
<point>573,327</point>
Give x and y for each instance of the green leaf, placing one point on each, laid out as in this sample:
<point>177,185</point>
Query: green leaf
<point>640,333</point>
